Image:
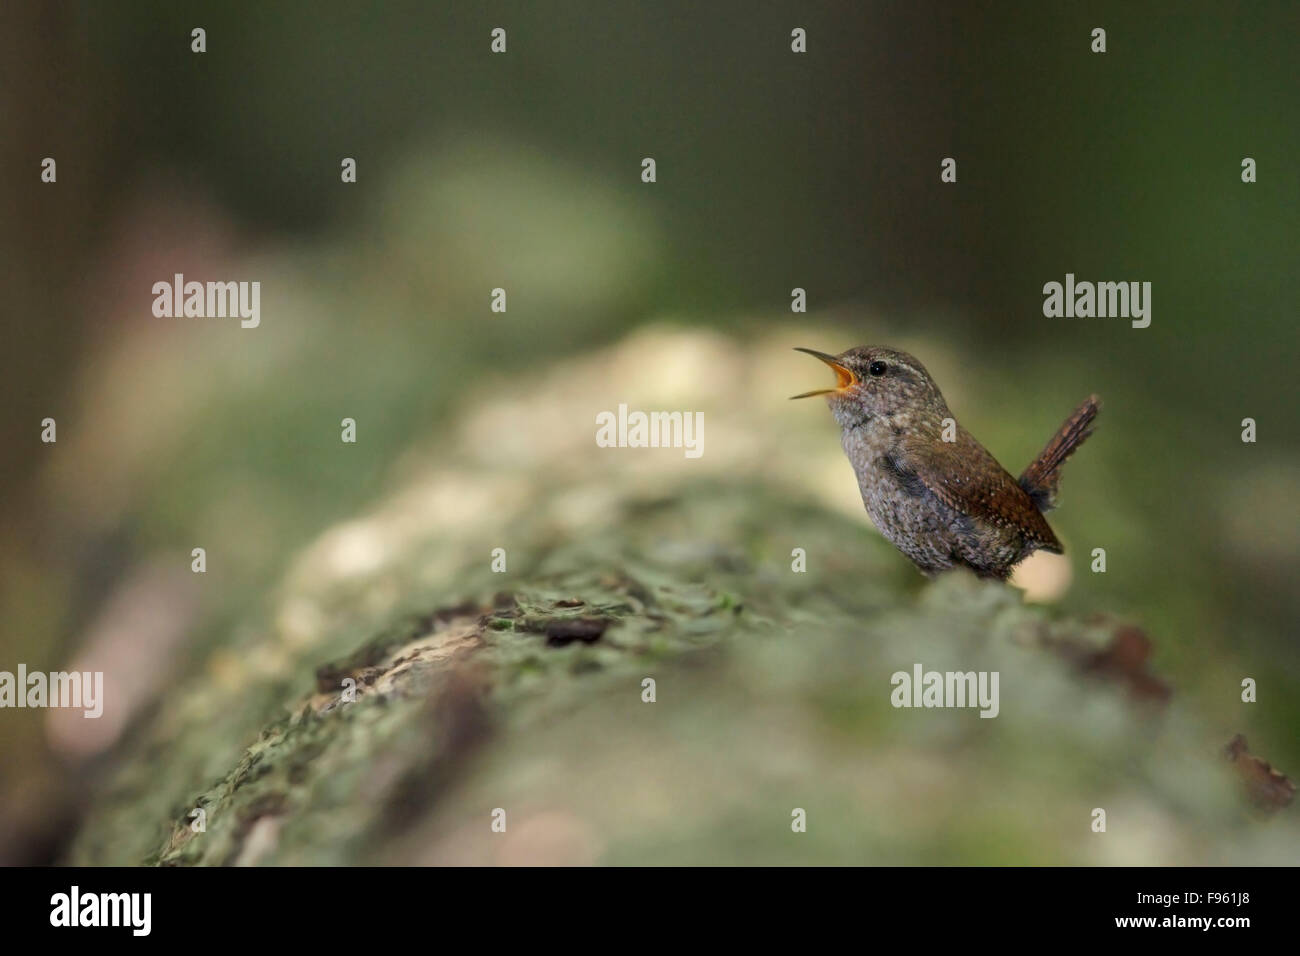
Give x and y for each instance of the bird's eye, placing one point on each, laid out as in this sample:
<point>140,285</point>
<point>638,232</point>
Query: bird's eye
<point>877,368</point>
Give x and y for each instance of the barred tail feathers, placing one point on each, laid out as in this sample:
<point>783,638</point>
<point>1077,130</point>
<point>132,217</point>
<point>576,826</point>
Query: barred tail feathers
<point>1043,476</point>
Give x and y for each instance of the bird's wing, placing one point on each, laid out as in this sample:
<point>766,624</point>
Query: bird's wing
<point>963,475</point>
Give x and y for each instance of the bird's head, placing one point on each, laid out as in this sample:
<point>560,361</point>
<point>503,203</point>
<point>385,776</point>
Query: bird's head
<point>872,381</point>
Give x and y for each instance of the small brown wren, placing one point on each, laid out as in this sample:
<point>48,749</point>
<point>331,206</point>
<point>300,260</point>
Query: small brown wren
<point>943,503</point>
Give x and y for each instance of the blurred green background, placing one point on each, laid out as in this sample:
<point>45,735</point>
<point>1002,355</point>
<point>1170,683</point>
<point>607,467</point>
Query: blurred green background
<point>522,171</point>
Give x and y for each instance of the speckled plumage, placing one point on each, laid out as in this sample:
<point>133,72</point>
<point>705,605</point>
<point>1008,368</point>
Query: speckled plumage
<point>944,504</point>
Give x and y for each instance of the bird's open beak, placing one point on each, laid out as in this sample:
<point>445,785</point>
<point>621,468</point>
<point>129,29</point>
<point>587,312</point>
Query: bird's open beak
<point>844,377</point>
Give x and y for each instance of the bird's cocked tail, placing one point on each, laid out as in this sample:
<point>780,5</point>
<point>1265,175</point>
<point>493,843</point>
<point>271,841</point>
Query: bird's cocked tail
<point>1041,478</point>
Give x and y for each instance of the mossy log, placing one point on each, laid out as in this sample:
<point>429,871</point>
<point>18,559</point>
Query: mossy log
<point>397,697</point>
